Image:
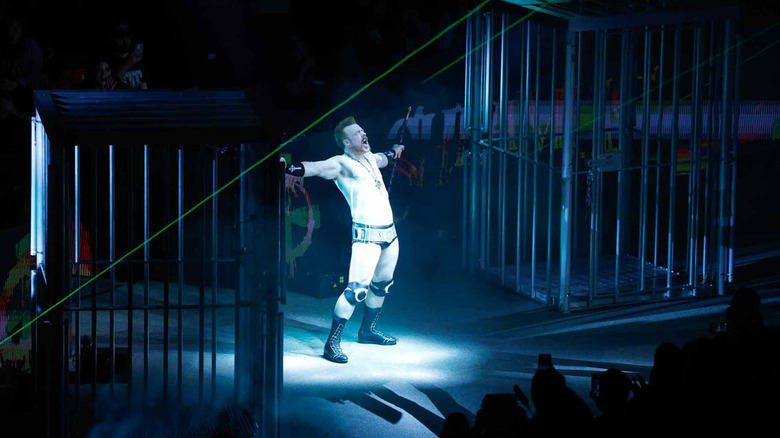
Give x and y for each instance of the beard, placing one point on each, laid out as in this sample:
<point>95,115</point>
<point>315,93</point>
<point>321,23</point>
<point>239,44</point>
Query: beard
<point>362,147</point>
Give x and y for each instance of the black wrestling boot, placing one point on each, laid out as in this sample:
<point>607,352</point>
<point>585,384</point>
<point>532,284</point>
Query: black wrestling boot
<point>368,333</point>
<point>333,345</point>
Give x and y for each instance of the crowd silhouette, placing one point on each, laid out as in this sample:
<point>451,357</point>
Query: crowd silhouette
<point>717,386</point>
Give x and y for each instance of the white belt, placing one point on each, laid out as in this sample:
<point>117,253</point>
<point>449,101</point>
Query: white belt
<point>373,233</point>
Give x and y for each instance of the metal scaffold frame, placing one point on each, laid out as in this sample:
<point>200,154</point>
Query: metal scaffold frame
<point>149,308</point>
<point>601,168</point>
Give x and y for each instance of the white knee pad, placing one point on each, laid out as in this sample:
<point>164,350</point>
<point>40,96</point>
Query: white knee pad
<point>356,292</point>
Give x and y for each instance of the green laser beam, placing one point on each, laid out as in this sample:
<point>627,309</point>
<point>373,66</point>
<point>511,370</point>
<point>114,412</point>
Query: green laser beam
<point>515,23</point>
<point>757,34</point>
<point>761,51</point>
<point>250,168</point>
<point>742,62</point>
<point>141,245</point>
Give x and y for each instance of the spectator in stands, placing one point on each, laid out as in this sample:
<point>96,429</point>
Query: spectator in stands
<point>659,403</point>
<point>706,387</point>
<point>21,70</point>
<point>750,361</point>
<point>127,58</point>
<point>611,397</point>
<point>499,416</point>
<point>559,410</point>
<point>100,77</point>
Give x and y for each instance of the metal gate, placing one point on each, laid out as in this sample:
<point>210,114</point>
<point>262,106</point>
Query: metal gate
<point>602,155</point>
<point>175,322</point>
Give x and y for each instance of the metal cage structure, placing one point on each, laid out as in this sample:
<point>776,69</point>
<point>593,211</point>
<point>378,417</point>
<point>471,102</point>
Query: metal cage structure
<point>140,312</point>
<point>601,167</point>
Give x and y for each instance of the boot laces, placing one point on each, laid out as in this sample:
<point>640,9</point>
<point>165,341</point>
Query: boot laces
<point>336,346</point>
<point>373,324</point>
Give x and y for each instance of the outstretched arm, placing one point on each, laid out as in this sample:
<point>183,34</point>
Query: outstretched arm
<point>383,158</point>
<point>327,169</point>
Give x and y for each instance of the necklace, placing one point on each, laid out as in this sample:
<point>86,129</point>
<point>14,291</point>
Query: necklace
<point>371,171</point>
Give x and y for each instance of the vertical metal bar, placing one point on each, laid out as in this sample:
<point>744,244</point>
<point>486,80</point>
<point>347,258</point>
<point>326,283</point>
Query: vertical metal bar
<point>36,145</point>
<point>466,121</point>
<point>504,118</point>
<point>488,194</point>
<point>595,153</point>
<point>131,265</point>
<point>520,134</point>
<point>180,269</point>
<point>475,130</point>
<point>700,161</point>
<point>712,79</point>
<point>696,144</point>
<point>658,148</point>
<point>166,279</point>
<point>673,156</point>
<point>95,242</point>
<point>111,256</point>
<point>626,124</point>
<point>202,292</point>
<point>594,156</point>
<point>491,133</point>
<point>464,231</point>
<point>501,115</point>
<point>77,266</point>
<point>484,202</point>
<point>536,161</point>
<point>62,391</point>
<point>214,271</point>
<point>690,235</point>
<point>486,71</point>
<point>147,261</point>
<point>734,146</point>
<point>645,157</point>
<point>238,381</point>
<point>602,112</point>
<point>549,171</point>
<point>567,177</point>
<point>487,127</point>
<point>725,138</point>
<point>520,165</point>
<point>483,210</point>
<point>575,218</point>
<point>467,89</point>
<point>526,141</point>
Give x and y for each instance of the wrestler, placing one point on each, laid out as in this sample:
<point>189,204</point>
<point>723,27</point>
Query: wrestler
<point>374,240</point>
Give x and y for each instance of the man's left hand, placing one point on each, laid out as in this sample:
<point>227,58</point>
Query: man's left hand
<point>398,149</point>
